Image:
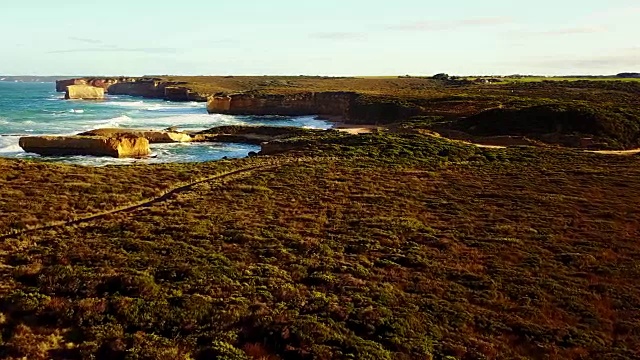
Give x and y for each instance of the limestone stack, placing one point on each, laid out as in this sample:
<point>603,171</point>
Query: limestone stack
<point>118,147</point>
<point>84,92</point>
<point>151,135</point>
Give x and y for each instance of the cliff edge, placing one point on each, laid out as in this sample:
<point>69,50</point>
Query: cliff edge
<point>154,88</point>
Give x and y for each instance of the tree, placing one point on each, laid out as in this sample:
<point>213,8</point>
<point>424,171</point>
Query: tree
<point>441,76</point>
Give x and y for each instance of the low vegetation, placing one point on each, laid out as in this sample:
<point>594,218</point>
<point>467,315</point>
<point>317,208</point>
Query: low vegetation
<point>378,246</point>
<point>33,193</point>
<point>253,134</point>
<point>614,129</point>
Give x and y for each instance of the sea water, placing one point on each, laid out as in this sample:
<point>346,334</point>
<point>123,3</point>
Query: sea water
<point>28,109</point>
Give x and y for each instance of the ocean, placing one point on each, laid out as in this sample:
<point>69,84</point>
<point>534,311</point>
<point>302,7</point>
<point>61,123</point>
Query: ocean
<point>28,108</point>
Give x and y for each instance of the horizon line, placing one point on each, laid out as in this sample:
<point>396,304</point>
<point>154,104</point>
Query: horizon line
<point>318,75</point>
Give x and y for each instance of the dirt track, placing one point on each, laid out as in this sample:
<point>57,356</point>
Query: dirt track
<point>222,178</point>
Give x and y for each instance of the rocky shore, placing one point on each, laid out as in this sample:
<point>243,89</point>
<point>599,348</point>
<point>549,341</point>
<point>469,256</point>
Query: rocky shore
<point>153,88</point>
<point>135,142</point>
<point>346,106</point>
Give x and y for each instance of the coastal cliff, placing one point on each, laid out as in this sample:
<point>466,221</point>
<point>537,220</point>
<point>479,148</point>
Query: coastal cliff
<point>144,87</point>
<point>156,89</point>
<point>105,83</point>
<point>323,103</point>
<point>348,106</point>
<point>353,107</point>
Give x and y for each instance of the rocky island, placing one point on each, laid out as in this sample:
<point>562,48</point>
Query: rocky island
<point>155,88</point>
<point>118,147</point>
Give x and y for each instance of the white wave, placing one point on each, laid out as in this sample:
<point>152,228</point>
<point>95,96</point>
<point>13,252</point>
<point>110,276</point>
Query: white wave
<point>186,122</point>
<point>78,111</point>
<point>158,107</point>
<point>111,123</point>
<point>154,105</point>
<point>57,112</point>
<point>9,145</point>
<point>193,104</point>
<point>129,104</point>
<point>11,149</point>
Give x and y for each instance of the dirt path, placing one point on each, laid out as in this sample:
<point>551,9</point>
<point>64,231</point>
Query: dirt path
<point>221,177</point>
<point>355,129</point>
<point>615,152</point>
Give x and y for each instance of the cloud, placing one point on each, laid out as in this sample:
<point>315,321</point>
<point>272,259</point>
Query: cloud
<point>485,21</point>
<point>86,40</point>
<point>116,49</point>
<point>101,46</point>
<point>614,13</point>
<point>419,26</point>
<point>337,35</point>
<point>452,25</point>
<point>625,60</point>
<point>576,30</point>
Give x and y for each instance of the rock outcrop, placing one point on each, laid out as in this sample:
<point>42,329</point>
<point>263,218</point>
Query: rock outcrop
<point>157,89</point>
<point>567,125</point>
<point>298,104</point>
<point>252,134</point>
<point>148,88</point>
<point>151,135</point>
<point>350,106</point>
<point>144,87</point>
<point>180,93</point>
<point>86,145</point>
<point>61,85</point>
<point>105,83</point>
<point>277,147</point>
<point>84,92</point>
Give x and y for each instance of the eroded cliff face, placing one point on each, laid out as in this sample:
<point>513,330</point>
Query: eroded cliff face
<point>84,92</point>
<point>143,87</point>
<point>323,103</point>
<point>153,136</point>
<point>105,83</point>
<point>124,146</point>
<point>349,106</point>
<point>61,85</point>
<point>181,93</point>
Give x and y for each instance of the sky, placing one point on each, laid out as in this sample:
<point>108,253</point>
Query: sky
<point>327,37</point>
